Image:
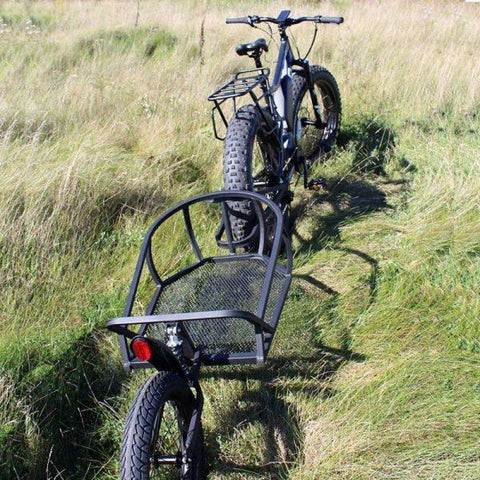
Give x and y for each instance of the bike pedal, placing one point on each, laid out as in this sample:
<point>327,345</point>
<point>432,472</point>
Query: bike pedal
<point>318,184</point>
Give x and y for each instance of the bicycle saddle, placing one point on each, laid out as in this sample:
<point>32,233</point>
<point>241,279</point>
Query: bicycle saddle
<point>257,46</point>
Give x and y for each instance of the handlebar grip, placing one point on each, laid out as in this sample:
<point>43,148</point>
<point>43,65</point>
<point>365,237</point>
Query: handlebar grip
<point>238,20</point>
<point>336,20</point>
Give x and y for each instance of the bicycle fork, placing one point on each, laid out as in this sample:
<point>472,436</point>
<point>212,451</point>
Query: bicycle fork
<point>178,344</point>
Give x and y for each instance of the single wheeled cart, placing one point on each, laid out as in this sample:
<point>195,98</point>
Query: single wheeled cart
<point>209,299</point>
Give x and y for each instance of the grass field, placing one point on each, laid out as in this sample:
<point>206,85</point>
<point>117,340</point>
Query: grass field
<point>104,123</point>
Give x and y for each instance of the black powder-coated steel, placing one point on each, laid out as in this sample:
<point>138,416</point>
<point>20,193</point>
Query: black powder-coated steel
<point>228,305</point>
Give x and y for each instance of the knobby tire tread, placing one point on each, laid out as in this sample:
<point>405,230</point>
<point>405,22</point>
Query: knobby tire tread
<point>237,166</point>
<point>300,89</point>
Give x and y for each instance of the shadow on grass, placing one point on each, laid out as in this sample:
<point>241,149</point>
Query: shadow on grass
<point>300,365</point>
<point>358,193</point>
<point>347,199</point>
<point>266,404</point>
<point>306,368</point>
<point>63,393</point>
<point>373,143</point>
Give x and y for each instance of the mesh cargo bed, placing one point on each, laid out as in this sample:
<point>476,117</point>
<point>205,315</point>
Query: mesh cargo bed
<point>220,284</point>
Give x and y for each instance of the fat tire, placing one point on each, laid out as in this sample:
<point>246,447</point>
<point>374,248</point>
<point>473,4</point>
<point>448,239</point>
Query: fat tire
<point>325,83</point>
<point>237,166</point>
<point>139,428</point>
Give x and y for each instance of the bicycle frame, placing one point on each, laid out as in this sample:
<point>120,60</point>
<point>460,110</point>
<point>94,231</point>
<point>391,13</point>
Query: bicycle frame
<point>281,87</point>
<point>281,92</point>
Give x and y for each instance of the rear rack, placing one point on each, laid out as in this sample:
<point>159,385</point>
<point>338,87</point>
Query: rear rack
<point>243,83</point>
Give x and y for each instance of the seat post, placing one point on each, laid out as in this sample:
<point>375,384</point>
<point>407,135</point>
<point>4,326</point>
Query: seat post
<point>258,62</point>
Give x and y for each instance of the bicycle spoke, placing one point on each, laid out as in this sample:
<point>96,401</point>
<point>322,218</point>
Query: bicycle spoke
<point>168,445</point>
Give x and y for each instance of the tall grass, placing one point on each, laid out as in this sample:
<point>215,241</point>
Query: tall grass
<point>103,124</point>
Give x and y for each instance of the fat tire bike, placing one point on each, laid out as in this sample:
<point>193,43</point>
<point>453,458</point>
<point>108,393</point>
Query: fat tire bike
<point>292,121</point>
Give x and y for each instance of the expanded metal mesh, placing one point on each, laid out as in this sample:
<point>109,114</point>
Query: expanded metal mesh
<point>235,284</point>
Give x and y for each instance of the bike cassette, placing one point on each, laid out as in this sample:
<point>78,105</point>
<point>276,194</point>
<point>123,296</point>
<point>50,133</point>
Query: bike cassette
<point>318,184</point>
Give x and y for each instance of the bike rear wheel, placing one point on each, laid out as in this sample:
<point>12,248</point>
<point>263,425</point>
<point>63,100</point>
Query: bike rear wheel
<point>249,157</point>
<point>313,142</point>
<point>156,432</point>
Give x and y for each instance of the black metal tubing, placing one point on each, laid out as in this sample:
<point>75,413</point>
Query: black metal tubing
<point>241,84</point>
<point>191,234</point>
<point>262,329</point>
<point>214,123</point>
<point>283,52</point>
<point>119,324</point>
<point>267,340</point>
<point>284,20</point>
<point>243,358</point>
<point>228,228</point>
<point>194,424</point>
<point>306,72</point>
<point>214,359</point>
<point>272,125</point>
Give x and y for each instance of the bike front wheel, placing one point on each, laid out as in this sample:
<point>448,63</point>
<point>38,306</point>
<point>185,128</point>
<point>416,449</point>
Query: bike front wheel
<point>314,140</point>
<point>154,440</point>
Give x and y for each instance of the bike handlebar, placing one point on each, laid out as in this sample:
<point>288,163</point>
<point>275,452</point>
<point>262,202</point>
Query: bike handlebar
<point>321,19</point>
<point>252,19</point>
<point>239,20</point>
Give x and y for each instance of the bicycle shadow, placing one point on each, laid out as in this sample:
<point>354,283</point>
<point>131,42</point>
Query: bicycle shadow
<point>343,199</point>
<point>305,366</point>
<point>361,192</point>
<point>367,189</point>
<point>373,143</point>
<point>268,405</point>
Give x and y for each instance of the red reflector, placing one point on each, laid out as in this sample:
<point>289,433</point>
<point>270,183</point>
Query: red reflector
<point>142,350</point>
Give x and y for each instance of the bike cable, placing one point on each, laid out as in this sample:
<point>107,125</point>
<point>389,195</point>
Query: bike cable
<point>311,45</point>
<point>269,32</point>
<point>294,39</point>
